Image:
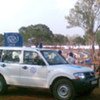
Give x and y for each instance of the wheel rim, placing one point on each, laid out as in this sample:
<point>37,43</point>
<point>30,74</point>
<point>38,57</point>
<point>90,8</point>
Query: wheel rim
<point>63,91</point>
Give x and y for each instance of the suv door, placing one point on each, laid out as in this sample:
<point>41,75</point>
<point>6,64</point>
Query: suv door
<point>10,64</point>
<point>34,70</point>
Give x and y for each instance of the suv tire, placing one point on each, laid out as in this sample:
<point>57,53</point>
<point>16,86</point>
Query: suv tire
<point>3,85</point>
<point>63,89</point>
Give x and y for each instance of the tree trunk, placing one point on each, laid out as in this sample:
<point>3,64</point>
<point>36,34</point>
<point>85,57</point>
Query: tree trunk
<point>92,42</point>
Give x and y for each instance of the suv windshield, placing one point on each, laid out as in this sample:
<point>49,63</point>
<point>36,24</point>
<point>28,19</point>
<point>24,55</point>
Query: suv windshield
<point>53,58</point>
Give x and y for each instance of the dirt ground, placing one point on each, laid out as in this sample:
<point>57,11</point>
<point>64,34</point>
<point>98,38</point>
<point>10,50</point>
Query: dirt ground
<point>39,94</point>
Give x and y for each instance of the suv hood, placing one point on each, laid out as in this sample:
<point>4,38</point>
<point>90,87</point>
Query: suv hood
<point>72,68</point>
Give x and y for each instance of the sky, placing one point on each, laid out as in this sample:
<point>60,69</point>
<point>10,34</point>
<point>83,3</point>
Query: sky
<point>17,13</point>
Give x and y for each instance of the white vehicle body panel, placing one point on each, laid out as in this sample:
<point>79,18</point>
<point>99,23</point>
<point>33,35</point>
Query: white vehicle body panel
<point>36,75</point>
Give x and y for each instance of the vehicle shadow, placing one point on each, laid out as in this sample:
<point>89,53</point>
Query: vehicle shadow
<point>41,94</point>
<point>16,93</point>
<point>95,95</point>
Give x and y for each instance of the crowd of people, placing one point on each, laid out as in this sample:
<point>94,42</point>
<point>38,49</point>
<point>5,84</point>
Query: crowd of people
<point>87,61</point>
<point>70,58</point>
<point>81,57</point>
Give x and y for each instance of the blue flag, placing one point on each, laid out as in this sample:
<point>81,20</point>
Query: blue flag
<point>13,39</point>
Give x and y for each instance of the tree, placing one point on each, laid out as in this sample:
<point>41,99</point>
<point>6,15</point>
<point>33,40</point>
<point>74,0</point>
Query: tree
<point>36,34</point>
<point>79,40</point>
<point>86,14</point>
<point>59,39</point>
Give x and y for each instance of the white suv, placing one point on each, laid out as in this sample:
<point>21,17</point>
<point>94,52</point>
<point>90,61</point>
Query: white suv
<point>43,68</point>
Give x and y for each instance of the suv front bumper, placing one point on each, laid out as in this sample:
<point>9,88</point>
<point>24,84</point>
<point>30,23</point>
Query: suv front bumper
<point>82,85</point>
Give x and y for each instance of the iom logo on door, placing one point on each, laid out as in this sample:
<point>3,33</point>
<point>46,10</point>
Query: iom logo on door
<point>13,39</point>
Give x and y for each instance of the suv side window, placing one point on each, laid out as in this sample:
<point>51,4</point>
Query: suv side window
<point>32,58</point>
<point>10,56</point>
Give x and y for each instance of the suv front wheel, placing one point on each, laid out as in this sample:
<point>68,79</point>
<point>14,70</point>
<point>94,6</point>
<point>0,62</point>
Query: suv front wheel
<point>63,89</point>
<point>3,86</point>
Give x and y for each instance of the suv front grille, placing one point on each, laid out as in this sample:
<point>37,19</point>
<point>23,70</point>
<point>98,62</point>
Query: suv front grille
<point>89,75</point>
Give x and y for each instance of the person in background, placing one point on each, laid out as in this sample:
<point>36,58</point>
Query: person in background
<point>60,53</point>
<point>39,45</point>
<point>71,58</point>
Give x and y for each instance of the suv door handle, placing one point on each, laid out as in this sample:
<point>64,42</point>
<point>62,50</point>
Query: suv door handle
<point>3,65</point>
<point>25,67</point>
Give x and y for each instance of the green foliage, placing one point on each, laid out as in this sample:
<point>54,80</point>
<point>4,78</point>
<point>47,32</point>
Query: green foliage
<point>59,39</point>
<point>40,33</point>
<point>85,14</point>
<point>37,33</point>
<point>79,40</point>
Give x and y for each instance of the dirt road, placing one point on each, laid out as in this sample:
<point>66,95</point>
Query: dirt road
<point>37,94</point>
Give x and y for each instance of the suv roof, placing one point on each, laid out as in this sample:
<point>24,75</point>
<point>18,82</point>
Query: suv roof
<point>22,48</point>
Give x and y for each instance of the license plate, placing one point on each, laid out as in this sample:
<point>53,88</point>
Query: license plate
<point>94,82</point>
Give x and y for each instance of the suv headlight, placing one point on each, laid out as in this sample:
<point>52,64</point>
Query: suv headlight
<point>79,75</point>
